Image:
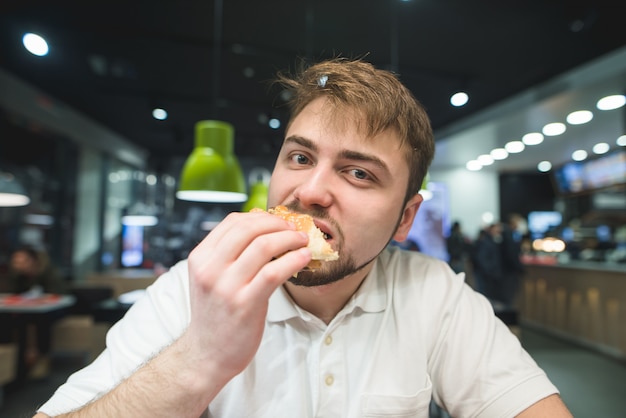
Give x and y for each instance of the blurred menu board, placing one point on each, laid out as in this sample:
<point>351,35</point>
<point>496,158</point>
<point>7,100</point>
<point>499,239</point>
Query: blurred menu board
<point>585,176</point>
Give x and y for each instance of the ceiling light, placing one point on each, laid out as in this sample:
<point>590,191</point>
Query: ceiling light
<point>532,138</point>
<point>473,165</point>
<point>611,102</point>
<point>459,99</point>
<point>35,44</point>
<point>212,172</point>
<point>259,181</point>
<point>274,123</point>
<point>159,114</point>
<point>513,147</point>
<point>579,117</point>
<point>12,193</point>
<point>499,153</point>
<point>485,159</point>
<point>601,148</point>
<point>544,166</point>
<point>579,155</point>
<point>554,129</point>
<point>621,141</point>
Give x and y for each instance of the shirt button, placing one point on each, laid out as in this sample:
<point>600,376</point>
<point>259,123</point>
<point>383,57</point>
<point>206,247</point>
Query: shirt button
<point>328,340</point>
<point>329,380</point>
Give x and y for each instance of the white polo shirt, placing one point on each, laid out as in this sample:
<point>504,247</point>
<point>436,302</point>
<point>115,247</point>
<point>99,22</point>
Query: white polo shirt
<point>414,330</point>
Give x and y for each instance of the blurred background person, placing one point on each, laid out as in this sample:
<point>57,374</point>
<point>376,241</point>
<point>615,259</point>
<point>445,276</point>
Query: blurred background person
<point>31,270</point>
<point>31,274</point>
<point>488,261</point>
<point>457,245</point>
<point>513,233</point>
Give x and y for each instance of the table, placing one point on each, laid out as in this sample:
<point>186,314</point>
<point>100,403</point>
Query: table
<point>19,304</point>
<point>18,311</point>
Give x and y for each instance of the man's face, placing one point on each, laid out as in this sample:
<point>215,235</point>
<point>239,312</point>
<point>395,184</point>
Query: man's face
<point>353,186</point>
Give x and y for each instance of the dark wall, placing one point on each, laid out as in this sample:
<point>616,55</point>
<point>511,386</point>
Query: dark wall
<point>525,192</point>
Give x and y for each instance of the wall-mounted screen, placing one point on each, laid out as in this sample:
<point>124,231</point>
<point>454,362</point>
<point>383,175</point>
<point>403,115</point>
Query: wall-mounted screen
<point>585,176</point>
<point>132,246</point>
<point>540,222</point>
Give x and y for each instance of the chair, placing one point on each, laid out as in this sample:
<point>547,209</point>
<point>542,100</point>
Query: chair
<point>78,332</point>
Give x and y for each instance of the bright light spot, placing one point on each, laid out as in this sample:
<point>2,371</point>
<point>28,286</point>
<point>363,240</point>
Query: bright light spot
<point>532,138</point>
<point>426,194</point>
<point>514,147</point>
<point>274,123</point>
<point>549,245</point>
<point>159,114</point>
<point>621,141</point>
<point>487,218</point>
<point>485,159</point>
<point>601,148</point>
<point>544,166</point>
<point>151,179</point>
<point>35,44</point>
<point>473,165</point>
<point>611,102</point>
<point>579,155</point>
<point>499,153</point>
<point>554,129</point>
<point>579,117</point>
<point>459,99</point>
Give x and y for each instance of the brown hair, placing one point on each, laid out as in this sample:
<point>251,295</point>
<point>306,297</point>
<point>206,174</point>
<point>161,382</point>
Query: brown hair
<point>378,96</point>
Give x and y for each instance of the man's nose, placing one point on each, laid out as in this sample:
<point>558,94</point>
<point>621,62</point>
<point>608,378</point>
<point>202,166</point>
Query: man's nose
<point>317,188</point>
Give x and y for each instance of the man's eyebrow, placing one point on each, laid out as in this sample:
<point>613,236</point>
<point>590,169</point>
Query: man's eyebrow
<point>307,143</point>
<point>346,154</point>
<point>359,156</point>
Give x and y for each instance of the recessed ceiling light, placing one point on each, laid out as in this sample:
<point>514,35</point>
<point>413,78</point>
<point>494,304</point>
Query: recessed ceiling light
<point>544,166</point>
<point>579,155</point>
<point>459,99</point>
<point>473,165</point>
<point>35,44</point>
<point>159,114</point>
<point>532,138</point>
<point>499,153</point>
<point>485,159</point>
<point>601,148</point>
<point>514,147</point>
<point>611,102</point>
<point>554,129</point>
<point>621,141</point>
<point>274,123</point>
<point>579,117</point>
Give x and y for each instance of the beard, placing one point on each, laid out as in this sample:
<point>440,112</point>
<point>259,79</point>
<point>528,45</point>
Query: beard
<point>331,271</point>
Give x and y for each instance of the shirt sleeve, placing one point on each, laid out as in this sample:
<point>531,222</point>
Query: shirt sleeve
<point>478,366</point>
<point>152,323</point>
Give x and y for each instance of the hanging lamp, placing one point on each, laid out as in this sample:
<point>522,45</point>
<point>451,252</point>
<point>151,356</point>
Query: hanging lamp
<point>212,172</point>
<point>12,193</point>
<point>259,180</point>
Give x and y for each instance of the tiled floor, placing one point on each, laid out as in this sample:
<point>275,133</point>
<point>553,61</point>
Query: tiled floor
<point>592,385</point>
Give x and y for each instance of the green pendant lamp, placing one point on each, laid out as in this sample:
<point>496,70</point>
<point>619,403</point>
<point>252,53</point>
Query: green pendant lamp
<point>259,180</point>
<point>212,172</point>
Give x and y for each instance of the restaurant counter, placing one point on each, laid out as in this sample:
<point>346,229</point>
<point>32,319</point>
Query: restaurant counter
<point>584,302</point>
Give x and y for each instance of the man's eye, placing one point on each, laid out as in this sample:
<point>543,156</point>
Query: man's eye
<point>299,159</point>
<point>360,174</point>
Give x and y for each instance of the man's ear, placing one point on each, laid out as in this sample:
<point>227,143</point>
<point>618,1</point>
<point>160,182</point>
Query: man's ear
<point>408,215</point>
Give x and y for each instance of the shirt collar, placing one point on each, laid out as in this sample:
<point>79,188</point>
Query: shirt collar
<point>371,297</point>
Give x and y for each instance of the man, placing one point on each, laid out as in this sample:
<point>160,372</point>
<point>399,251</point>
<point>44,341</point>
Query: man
<point>231,332</point>
<point>512,267</point>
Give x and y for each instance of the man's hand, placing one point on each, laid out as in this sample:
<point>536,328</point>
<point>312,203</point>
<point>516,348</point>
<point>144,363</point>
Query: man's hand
<point>232,274</point>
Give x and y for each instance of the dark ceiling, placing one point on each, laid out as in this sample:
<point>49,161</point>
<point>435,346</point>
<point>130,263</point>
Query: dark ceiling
<point>116,60</point>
